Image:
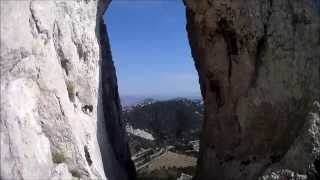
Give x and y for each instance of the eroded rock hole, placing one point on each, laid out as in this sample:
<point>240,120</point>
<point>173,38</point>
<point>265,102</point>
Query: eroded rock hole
<point>88,108</point>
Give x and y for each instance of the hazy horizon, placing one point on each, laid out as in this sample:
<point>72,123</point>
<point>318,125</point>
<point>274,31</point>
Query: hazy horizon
<point>150,49</point>
<point>128,100</point>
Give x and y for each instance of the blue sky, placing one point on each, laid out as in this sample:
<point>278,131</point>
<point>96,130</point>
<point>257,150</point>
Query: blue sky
<point>150,48</point>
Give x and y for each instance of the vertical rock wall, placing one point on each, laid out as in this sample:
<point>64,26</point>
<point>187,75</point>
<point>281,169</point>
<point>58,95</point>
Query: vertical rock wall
<point>60,112</point>
<point>258,64</point>
<point>112,107</point>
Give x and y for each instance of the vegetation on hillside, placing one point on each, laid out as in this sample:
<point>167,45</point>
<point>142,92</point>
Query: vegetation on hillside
<point>171,121</point>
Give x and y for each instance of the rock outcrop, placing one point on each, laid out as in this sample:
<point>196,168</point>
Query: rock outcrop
<point>60,111</point>
<point>258,65</point>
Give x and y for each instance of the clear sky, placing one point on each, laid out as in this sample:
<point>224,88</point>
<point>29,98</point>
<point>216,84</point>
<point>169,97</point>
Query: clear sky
<point>150,48</point>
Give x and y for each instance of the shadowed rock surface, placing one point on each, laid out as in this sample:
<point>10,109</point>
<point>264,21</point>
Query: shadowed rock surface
<point>57,120</point>
<point>258,63</point>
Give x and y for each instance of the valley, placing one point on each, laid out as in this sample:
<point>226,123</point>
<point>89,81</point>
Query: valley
<point>164,137</point>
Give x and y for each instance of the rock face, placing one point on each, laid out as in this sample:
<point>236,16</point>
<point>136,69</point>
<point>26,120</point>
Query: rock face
<point>258,65</point>
<point>60,112</point>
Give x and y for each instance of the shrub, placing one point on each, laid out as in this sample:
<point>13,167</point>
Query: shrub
<point>75,173</point>
<point>71,90</point>
<point>58,158</point>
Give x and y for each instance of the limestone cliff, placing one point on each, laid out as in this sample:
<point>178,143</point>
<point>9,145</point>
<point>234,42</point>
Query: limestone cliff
<point>258,64</point>
<point>60,111</point>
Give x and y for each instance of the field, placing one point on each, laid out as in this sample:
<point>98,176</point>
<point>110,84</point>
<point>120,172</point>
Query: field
<point>168,166</point>
<point>171,159</point>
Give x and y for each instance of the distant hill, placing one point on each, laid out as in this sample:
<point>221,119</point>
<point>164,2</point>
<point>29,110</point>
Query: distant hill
<point>169,122</point>
<point>131,100</point>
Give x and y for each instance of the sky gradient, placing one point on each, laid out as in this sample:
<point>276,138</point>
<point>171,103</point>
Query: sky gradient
<point>150,48</point>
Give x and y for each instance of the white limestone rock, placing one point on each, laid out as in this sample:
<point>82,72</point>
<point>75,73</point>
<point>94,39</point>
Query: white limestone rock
<point>52,125</point>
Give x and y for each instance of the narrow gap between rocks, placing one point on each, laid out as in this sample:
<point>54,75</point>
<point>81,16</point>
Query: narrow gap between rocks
<point>158,85</point>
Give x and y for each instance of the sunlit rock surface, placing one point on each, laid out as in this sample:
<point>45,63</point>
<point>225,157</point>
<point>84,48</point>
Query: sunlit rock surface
<point>258,63</point>
<point>57,121</point>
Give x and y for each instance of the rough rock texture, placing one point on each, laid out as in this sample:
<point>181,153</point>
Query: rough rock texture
<point>258,64</point>
<point>57,119</point>
<point>283,175</point>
